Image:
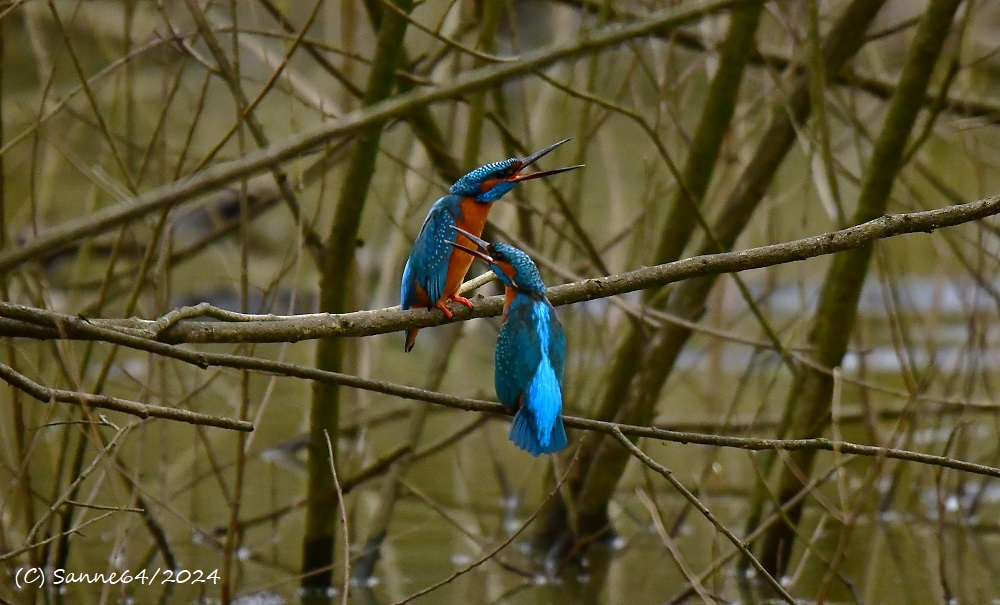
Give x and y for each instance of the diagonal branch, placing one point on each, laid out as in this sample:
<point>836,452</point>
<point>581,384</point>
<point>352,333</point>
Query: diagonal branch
<point>106,402</point>
<point>307,142</point>
<point>478,405</point>
<point>690,497</point>
<point>879,86</point>
<point>272,328</point>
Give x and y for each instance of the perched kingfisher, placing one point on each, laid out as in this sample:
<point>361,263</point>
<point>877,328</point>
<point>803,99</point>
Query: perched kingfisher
<point>531,349</point>
<point>435,271</point>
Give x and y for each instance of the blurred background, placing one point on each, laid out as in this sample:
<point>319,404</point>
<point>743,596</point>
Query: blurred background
<point>728,128</point>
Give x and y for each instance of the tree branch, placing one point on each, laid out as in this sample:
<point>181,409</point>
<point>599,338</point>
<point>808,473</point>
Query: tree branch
<point>479,405</point>
<point>307,142</point>
<point>704,510</point>
<point>106,402</point>
<point>25,321</point>
<point>878,86</point>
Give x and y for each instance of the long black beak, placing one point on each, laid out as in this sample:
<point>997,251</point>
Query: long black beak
<point>531,159</point>
<point>485,257</point>
<point>477,241</point>
<point>475,238</point>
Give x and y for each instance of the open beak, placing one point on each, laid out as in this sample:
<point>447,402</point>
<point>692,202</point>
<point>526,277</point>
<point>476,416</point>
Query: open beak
<point>475,238</point>
<point>531,159</point>
<point>477,241</point>
<point>485,257</point>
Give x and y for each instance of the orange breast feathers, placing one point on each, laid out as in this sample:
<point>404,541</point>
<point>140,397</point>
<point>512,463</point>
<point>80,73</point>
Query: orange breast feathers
<point>508,297</point>
<point>474,216</point>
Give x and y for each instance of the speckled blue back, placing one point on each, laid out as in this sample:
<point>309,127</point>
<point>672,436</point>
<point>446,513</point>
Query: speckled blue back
<point>530,357</point>
<point>529,360</point>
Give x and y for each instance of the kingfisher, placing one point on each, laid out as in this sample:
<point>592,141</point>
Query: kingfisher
<point>434,271</point>
<point>531,349</point>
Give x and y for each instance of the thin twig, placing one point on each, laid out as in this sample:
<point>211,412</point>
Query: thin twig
<point>120,509</point>
<point>67,493</point>
<point>690,497</point>
<point>499,547</point>
<point>204,359</point>
<point>343,521</point>
<point>47,394</point>
<point>878,86</point>
<point>671,545</point>
<point>312,140</point>
<point>10,555</point>
<point>490,58</point>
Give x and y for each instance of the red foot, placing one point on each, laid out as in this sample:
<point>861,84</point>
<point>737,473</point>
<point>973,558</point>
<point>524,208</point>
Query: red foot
<point>460,299</point>
<point>444,307</point>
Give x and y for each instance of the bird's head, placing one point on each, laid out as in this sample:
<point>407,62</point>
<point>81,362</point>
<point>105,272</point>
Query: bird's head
<point>491,182</point>
<point>514,268</point>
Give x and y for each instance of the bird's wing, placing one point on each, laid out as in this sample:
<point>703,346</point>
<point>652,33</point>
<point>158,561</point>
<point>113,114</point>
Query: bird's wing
<point>556,344</point>
<point>518,354</point>
<point>408,296</point>
<point>427,266</point>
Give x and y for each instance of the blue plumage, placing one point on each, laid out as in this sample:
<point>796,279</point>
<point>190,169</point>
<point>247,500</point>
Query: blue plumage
<point>530,359</point>
<point>434,270</point>
<point>530,354</point>
<point>427,267</point>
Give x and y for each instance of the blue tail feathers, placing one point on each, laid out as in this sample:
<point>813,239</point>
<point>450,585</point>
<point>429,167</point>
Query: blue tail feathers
<point>538,427</point>
<point>525,435</point>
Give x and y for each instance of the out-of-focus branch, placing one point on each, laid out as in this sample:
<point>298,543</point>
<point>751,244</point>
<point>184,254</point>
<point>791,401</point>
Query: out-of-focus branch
<point>106,402</point>
<point>479,405</point>
<point>877,86</point>
<point>809,400</point>
<point>308,142</point>
<point>336,281</point>
<point>690,497</point>
<point>232,79</point>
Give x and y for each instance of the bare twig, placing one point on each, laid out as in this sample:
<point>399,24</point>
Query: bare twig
<point>499,547</point>
<point>77,481</point>
<point>10,555</point>
<point>878,86</point>
<point>690,497</point>
<point>671,545</point>
<point>297,145</point>
<point>47,394</point>
<point>343,522</point>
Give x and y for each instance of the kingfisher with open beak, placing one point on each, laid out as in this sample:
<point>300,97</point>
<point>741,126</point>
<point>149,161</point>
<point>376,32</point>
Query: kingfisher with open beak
<point>435,270</point>
<point>531,350</point>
